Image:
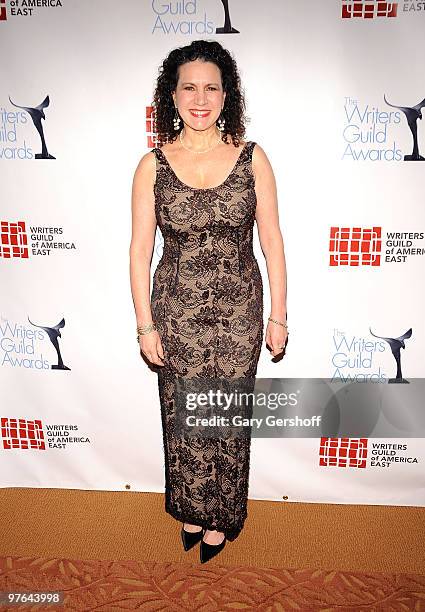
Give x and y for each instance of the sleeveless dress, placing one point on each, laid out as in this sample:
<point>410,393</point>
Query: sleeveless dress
<point>207,304</point>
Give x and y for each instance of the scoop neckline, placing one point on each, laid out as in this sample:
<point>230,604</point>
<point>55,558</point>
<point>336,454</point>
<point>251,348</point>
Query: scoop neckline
<point>205,188</point>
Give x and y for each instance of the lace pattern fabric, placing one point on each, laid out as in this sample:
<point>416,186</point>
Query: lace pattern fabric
<point>207,303</point>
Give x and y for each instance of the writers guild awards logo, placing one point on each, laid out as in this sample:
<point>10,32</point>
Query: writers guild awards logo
<point>395,345</point>
<point>412,115</point>
<point>37,114</point>
<point>227,28</point>
<point>54,334</point>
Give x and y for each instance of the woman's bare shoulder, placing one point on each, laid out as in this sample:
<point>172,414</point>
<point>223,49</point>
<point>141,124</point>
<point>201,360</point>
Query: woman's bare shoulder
<point>146,168</point>
<point>260,161</point>
<point>258,154</point>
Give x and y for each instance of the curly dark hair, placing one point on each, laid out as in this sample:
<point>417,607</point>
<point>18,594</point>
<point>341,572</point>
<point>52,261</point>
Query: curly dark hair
<point>234,107</point>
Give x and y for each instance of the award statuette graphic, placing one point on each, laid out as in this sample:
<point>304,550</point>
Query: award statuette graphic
<point>412,115</point>
<point>227,28</point>
<point>54,333</point>
<point>395,345</point>
<point>37,114</point>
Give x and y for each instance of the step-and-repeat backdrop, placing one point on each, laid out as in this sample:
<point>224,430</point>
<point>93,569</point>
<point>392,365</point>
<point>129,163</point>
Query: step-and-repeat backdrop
<point>335,94</point>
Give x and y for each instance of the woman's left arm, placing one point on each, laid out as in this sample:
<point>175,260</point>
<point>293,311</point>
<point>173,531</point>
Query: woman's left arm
<point>267,217</point>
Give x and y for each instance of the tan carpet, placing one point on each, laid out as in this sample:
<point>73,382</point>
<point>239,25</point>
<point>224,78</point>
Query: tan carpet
<point>120,550</point>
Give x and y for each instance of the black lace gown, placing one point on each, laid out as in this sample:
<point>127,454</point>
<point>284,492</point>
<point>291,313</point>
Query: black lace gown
<point>207,303</point>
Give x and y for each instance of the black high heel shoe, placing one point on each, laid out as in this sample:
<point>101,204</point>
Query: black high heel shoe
<point>190,539</point>
<point>208,551</point>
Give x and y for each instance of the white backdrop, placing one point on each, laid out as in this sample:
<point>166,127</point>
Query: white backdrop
<point>313,81</point>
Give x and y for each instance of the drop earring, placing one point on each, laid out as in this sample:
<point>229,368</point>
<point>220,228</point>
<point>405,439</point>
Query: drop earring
<point>176,120</point>
<point>221,121</point>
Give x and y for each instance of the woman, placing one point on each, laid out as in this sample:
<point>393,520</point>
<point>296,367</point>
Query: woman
<point>204,187</point>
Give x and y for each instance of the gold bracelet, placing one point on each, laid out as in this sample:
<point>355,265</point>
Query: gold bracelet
<point>278,322</point>
<point>145,329</point>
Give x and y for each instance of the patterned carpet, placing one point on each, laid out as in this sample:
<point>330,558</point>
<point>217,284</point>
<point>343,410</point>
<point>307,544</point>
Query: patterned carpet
<point>130,585</point>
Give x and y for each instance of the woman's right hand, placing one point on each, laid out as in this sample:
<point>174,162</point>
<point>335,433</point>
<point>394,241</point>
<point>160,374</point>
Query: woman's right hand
<point>151,347</point>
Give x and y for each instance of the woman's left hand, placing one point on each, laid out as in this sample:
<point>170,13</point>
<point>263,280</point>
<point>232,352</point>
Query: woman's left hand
<point>276,338</point>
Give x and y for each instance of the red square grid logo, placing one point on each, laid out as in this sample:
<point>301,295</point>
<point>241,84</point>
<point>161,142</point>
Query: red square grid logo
<point>150,126</point>
<point>13,240</point>
<point>343,452</point>
<point>3,12</point>
<point>20,433</point>
<point>368,10</point>
<point>355,246</point>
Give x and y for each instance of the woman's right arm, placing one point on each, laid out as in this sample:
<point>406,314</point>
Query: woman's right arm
<point>141,250</point>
